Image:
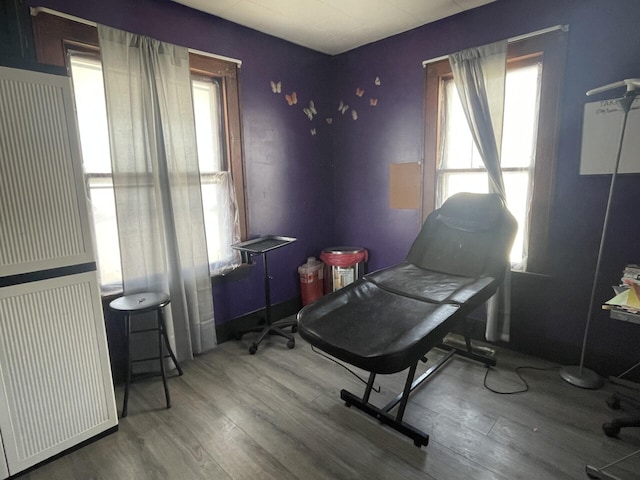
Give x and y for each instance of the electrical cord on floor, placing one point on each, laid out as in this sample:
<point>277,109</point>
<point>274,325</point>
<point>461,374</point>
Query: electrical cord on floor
<point>377,390</point>
<point>526,385</point>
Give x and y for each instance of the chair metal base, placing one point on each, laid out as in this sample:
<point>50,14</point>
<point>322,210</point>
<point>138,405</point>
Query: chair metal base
<point>395,421</point>
<point>275,328</point>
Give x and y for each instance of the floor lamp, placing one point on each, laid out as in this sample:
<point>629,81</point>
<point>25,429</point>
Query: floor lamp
<point>579,375</point>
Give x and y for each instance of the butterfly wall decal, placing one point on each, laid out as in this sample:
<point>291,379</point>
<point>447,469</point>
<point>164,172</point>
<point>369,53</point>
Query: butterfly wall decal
<point>377,81</point>
<point>359,92</point>
<point>292,98</point>
<point>329,120</point>
<point>354,114</point>
<point>373,102</point>
<point>342,107</point>
<point>276,87</point>
<point>310,111</point>
<point>313,131</point>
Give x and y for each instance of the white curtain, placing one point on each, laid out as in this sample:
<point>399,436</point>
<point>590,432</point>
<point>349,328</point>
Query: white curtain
<point>479,74</point>
<point>157,182</point>
<point>225,221</point>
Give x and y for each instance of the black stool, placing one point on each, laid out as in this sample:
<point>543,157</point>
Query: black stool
<point>136,304</point>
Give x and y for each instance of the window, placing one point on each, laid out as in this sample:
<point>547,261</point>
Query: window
<point>207,106</point>
<point>453,164</point>
<point>461,168</point>
<point>96,158</point>
<point>216,111</point>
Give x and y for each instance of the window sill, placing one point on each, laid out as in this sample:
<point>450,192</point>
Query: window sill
<point>239,272</point>
<point>531,275</point>
<point>242,271</point>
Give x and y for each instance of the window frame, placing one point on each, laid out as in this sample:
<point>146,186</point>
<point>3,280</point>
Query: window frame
<point>227,73</point>
<point>551,49</point>
<point>56,36</point>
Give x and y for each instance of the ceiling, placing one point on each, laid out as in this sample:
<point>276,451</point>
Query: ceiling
<point>332,26</point>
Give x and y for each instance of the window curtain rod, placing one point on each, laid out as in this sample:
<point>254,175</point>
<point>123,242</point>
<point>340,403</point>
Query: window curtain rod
<point>36,10</point>
<point>564,28</point>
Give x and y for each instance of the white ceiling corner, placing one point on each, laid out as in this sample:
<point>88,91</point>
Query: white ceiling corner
<point>333,26</point>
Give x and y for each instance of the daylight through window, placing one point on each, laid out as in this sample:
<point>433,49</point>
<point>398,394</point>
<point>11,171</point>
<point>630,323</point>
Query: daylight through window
<point>220,210</point>
<point>534,78</point>
<point>461,168</point>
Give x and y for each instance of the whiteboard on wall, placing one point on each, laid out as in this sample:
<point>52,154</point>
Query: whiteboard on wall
<point>601,136</point>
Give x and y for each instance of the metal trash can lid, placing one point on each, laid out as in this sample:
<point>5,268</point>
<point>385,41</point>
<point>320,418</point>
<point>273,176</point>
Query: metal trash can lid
<point>344,249</point>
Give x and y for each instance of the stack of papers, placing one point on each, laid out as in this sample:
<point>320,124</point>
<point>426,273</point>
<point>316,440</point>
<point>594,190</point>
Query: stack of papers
<point>627,298</point>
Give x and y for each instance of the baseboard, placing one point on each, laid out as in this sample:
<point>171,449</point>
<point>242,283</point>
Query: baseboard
<point>284,309</point>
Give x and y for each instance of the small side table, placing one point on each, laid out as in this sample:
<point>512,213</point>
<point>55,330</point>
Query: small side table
<point>261,246</point>
<point>136,304</point>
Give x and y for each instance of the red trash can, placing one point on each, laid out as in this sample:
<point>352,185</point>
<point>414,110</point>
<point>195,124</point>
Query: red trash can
<point>343,265</point>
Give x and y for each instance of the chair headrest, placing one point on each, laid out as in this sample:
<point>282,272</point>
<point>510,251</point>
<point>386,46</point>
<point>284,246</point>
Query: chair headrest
<point>471,212</point>
<point>470,235</point>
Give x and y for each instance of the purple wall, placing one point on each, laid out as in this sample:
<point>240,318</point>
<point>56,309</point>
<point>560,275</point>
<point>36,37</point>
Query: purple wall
<point>549,314</point>
<point>332,188</point>
<point>288,170</point>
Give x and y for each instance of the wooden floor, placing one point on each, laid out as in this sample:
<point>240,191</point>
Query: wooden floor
<point>277,415</point>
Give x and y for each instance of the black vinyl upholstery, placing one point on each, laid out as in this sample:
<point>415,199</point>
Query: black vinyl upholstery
<point>374,329</point>
<point>470,235</point>
<point>388,320</point>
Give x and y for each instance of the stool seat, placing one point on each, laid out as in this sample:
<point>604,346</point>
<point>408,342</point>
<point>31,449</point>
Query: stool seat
<point>136,304</point>
<point>140,302</point>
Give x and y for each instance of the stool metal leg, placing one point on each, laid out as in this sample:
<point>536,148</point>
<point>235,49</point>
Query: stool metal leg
<point>127,321</point>
<point>161,357</point>
<point>167,344</point>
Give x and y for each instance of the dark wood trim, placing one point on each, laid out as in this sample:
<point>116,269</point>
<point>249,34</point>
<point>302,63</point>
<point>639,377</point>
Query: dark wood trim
<point>228,73</point>
<point>54,34</point>
<point>436,72</point>
<point>553,68</point>
<point>212,67</point>
<point>236,154</point>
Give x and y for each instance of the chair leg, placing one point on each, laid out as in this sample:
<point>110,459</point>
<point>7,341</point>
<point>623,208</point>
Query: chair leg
<point>406,392</point>
<point>286,323</point>
<point>394,421</point>
<point>367,391</point>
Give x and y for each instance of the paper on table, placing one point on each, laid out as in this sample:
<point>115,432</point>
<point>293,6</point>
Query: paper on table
<point>620,300</point>
<point>626,299</point>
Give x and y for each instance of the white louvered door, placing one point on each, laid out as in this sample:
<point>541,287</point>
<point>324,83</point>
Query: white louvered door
<point>56,388</point>
<point>43,215</point>
<point>55,379</point>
